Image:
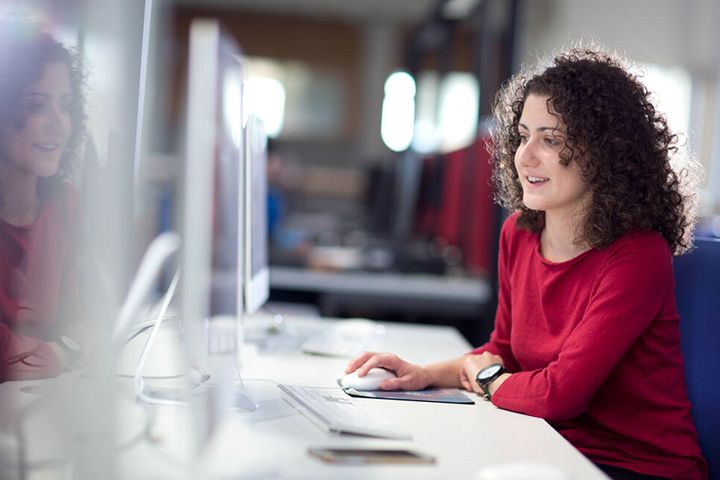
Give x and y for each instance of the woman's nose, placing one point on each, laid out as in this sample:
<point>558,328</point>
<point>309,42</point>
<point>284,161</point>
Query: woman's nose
<point>58,122</point>
<point>527,154</point>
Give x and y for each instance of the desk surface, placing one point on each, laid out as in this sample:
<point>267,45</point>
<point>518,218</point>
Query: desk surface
<point>272,442</point>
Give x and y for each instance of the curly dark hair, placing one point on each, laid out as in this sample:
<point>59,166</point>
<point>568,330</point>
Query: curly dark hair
<point>621,143</point>
<point>25,50</point>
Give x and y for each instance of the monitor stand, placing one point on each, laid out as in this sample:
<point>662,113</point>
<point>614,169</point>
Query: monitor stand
<point>243,401</point>
<point>223,344</point>
<point>237,398</point>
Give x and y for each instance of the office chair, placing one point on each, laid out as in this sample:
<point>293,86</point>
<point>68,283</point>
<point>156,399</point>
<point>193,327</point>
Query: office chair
<point>697,290</point>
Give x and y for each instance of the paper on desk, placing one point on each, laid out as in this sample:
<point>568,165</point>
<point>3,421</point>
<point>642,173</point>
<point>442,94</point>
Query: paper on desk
<point>438,395</point>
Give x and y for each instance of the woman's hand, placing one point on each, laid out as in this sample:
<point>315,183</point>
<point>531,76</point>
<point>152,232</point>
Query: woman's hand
<point>409,376</point>
<point>472,365</point>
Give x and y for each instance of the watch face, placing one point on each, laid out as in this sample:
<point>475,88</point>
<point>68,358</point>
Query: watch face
<point>488,372</point>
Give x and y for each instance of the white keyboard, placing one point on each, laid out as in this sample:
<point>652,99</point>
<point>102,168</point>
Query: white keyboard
<point>333,344</point>
<point>333,410</point>
<point>345,338</point>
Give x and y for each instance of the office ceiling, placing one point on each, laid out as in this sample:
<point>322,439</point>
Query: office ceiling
<point>403,11</point>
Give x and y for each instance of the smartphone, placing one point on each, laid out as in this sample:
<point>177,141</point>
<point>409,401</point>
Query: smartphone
<point>369,456</point>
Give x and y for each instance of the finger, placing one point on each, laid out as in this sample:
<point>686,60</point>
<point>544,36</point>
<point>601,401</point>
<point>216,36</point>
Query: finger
<point>464,380</point>
<point>467,379</point>
<point>392,384</point>
<point>405,382</point>
<point>474,387</point>
<point>355,363</point>
<point>383,360</point>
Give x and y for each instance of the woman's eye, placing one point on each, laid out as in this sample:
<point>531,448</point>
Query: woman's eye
<point>523,138</point>
<point>34,107</point>
<point>553,142</point>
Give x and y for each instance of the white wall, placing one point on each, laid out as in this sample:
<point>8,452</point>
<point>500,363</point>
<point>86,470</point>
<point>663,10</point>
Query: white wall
<point>666,32</point>
<point>669,33</point>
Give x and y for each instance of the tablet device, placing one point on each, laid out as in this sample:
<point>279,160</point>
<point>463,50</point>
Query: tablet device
<point>439,395</point>
<point>369,456</point>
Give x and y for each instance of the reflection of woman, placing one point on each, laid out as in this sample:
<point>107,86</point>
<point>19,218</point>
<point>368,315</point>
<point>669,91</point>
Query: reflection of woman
<point>586,331</point>
<point>41,120</point>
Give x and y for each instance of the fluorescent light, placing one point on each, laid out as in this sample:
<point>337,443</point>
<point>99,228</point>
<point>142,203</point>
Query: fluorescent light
<point>398,111</point>
<point>458,9</point>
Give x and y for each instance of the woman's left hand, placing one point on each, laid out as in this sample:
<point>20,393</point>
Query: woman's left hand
<point>472,365</point>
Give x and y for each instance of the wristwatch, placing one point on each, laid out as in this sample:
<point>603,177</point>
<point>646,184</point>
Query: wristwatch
<point>486,376</point>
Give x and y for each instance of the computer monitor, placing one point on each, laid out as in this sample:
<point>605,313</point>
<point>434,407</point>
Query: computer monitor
<point>257,272</point>
<point>213,219</point>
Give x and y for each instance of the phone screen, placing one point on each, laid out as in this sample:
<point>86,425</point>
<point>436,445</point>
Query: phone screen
<point>363,456</point>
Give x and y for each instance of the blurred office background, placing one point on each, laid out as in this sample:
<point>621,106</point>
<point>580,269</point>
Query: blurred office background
<point>377,111</point>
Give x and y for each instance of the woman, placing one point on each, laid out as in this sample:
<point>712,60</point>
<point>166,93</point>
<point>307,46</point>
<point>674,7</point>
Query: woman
<point>41,125</point>
<point>586,331</point>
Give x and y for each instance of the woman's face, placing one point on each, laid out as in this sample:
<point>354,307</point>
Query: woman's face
<point>547,184</point>
<point>34,143</point>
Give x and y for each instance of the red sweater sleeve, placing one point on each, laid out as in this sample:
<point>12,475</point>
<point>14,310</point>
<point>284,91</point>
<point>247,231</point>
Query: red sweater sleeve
<point>626,296</point>
<point>499,342</point>
<point>26,358</point>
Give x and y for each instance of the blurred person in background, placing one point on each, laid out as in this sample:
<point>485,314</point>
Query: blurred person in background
<point>276,207</point>
<point>41,130</point>
<point>289,245</point>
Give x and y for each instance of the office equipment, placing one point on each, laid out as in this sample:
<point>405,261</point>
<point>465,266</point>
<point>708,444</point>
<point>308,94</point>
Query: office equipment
<point>157,253</point>
<point>257,272</point>
<point>370,456</point>
<point>138,376</point>
<point>272,442</point>
<point>212,221</point>
<point>334,344</point>
<point>346,338</point>
<point>371,381</point>
<point>697,276</point>
<point>436,395</point>
<point>167,357</point>
<point>332,410</point>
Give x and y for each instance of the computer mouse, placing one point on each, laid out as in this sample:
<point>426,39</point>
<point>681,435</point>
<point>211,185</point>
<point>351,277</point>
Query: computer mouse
<point>521,471</point>
<point>371,381</point>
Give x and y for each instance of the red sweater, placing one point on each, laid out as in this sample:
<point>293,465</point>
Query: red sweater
<point>33,261</point>
<point>594,347</point>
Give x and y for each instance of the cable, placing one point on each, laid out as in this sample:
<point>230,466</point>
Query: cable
<point>138,380</point>
<point>141,327</point>
<point>159,250</point>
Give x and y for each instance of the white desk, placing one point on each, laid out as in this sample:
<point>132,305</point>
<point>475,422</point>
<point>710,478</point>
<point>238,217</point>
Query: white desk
<point>273,441</point>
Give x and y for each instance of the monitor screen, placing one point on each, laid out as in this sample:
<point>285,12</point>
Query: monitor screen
<point>257,273</point>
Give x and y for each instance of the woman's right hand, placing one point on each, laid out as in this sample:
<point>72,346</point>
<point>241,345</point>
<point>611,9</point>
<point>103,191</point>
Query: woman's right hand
<point>409,376</point>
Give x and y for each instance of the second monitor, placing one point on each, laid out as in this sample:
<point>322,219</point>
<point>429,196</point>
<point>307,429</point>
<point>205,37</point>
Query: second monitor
<point>256,270</point>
